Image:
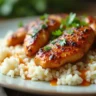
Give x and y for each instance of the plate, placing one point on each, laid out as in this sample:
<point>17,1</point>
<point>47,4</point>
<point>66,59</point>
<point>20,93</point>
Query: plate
<point>37,87</point>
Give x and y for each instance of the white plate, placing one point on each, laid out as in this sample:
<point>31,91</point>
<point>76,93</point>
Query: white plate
<point>37,86</point>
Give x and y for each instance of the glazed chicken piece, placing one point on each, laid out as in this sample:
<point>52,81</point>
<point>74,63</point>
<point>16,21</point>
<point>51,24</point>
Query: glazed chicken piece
<point>17,37</point>
<point>37,37</point>
<point>92,23</point>
<point>39,34</point>
<point>66,48</point>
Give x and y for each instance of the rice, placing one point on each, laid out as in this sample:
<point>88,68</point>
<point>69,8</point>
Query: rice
<point>9,64</point>
<point>14,62</point>
<point>4,52</point>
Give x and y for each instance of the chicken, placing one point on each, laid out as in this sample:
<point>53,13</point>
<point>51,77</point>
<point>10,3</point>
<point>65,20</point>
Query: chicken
<point>40,32</point>
<point>66,48</point>
<point>17,37</point>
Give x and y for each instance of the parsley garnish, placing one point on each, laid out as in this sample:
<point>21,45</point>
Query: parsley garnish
<point>73,21</point>
<point>20,24</point>
<point>70,19</point>
<point>47,48</point>
<point>36,30</point>
<point>83,23</point>
<point>34,33</point>
<point>61,27</point>
<point>62,42</point>
<point>70,31</point>
<point>44,17</point>
<point>57,33</point>
<point>43,26</point>
<point>75,24</point>
<point>53,42</point>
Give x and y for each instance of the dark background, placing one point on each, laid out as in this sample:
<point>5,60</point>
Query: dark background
<point>24,8</point>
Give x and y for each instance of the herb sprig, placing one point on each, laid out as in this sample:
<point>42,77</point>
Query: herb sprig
<point>69,31</point>
<point>36,30</point>
<point>56,34</point>
<point>73,21</point>
<point>62,42</point>
<point>44,17</point>
<point>20,24</point>
<point>47,48</point>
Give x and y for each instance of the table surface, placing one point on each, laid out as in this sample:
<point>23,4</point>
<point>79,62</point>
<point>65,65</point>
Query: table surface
<point>11,92</point>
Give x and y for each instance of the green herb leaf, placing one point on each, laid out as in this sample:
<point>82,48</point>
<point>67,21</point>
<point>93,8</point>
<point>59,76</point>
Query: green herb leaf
<point>44,17</point>
<point>62,27</point>
<point>47,48</point>
<point>63,22</point>
<point>70,31</point>
<point>20,24</point>
<point>62,42</point>
<point>75,24</point>
<point>57,33</point>
<point>76,20</point>
<point>34,32</point>
<point>44,26</point>
<point>73,21</point>
<point>53,42</point>
<point>82,23</point>
<point>70,18</point>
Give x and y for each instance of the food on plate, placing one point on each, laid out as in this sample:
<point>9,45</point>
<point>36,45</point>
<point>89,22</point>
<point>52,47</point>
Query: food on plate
<point>92,21</point>
<point>39,34</point>
<point>17,37</point>
<point>54,48</point>
<point>67,48</point>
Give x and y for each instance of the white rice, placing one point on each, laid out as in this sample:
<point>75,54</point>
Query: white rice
<point>14,62</point>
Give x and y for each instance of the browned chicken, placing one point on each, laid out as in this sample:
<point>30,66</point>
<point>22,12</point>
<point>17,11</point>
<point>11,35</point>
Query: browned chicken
<point>17,37</point>
<point>40,32</point>
<point>66,48</point>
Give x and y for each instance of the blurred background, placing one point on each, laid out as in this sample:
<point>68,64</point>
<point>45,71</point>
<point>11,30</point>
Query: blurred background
<point>24,8</point>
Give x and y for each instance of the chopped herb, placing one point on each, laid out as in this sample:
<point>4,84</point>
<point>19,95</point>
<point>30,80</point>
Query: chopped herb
<point>36,30</point>
<point>44,26</point>
<point>62,42</point>
<point>20,24</point>
<point>44,17</point>
<point>57,33</point>
<point>73,21</point>
<point>62,27</point>
<point>46,21</point>
<point>53,42</point>
<point>76,20</point>
<point>83,23</point>
<point>83,16</point>
<point>53,37</point>
<point>75,24</point>
<point>34,33</point>
<point>47,48</point>
<point>70,31</point>
<point>63,22</point>
<point>70,19</point>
